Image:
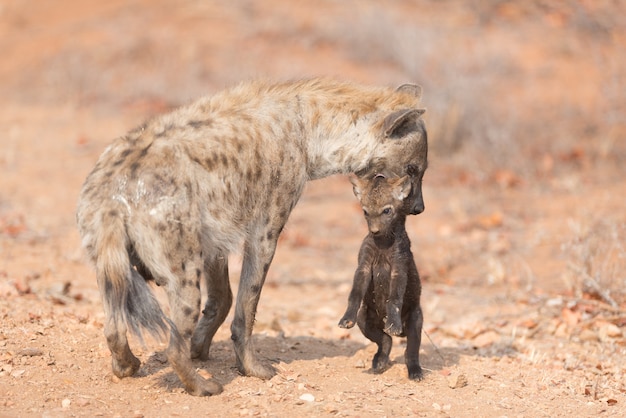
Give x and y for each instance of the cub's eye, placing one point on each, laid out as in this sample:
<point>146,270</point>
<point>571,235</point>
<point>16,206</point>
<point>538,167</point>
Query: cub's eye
<point>387,211</point>
<point>365,212</point>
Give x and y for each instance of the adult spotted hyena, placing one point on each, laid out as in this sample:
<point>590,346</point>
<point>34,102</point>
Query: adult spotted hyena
<point>171,199</point>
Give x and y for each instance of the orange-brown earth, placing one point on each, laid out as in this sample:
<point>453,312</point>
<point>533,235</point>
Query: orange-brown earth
<point>521,247</point>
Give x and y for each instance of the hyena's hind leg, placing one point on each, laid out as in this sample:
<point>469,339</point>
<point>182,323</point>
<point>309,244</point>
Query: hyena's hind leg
<point>413,328</point>
<point>184,300</point>
<point>368,323</point>
<point>219,301</point>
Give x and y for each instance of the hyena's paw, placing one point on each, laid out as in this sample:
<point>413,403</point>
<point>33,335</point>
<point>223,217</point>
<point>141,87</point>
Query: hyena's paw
<point>199,350</point>
<point>380,363</point>
<point>256,368</point>
<point>393,326</point>
<point>415,372</point>
<point>204,387</point>
<point>347,321</point>
<point>125,367</point>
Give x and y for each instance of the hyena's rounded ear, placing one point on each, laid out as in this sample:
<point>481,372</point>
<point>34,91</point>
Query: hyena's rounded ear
<point>402,187</point>
<point>412,89</point>
<point>401,122</point>
<point>357,186</point>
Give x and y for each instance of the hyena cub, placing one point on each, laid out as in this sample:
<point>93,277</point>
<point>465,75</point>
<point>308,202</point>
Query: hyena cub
<point>386,289</point>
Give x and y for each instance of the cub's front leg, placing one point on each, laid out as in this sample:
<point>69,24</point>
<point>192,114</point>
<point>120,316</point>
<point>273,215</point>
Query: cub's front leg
<point>361,282</point>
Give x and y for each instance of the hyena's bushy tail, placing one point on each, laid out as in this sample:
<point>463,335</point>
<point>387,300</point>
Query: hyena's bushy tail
<point>130,304</point>
<point>125,293</point>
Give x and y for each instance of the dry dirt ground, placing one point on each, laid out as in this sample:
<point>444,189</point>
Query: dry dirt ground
<point>521,248</point>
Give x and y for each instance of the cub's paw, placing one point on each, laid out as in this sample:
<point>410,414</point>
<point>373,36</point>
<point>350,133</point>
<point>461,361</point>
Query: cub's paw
<point>393,328</point>
<point>347,322</point>
<point>415,372</point>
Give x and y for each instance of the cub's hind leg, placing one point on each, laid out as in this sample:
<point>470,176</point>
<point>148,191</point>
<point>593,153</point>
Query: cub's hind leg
<point>413,329</point>
<point>369,324</point>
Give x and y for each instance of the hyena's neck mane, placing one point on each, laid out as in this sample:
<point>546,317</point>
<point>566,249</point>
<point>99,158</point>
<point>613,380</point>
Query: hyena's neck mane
<point>336,124</point>
<point>343,124</point>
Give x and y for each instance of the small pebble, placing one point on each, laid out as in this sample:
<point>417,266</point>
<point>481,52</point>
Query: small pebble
<point>457,380</point>
<point>307,397</point>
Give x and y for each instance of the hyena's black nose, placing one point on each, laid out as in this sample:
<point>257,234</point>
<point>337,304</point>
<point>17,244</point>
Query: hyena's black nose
<point>417,207</point>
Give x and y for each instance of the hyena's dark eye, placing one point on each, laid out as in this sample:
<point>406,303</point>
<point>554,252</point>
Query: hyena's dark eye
<point>386,211</point>
<point>365,212</point>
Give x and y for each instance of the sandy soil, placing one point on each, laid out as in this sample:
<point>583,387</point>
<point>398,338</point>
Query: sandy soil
<point>521,248</point>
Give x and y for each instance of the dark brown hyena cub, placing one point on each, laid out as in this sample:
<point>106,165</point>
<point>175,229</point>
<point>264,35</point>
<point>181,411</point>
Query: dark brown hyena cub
<point>386,289</point>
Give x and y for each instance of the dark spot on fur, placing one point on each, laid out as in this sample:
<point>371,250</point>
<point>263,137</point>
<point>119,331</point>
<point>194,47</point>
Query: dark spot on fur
<point>88,190</point>
<point>257,173</point>
<point>197,284</point>
<point>197,161</point>
<point>187,311</point>
<point>189,189</point>
<point>144,151</point>
<point>224,160</point>
<point>182,266</point>
<point>108,173</point>
<point>165,131</point>
<point>270,235</point>
<point>159,178</point>
<point>208,164</point>
<point>133,169</point>
<point>276,178</point>
<point>234,163</point>
<point>266,267</point>
<point>198,273</point>
<point>197,124</point>
<point>113,213</point>
<point>108,289</point>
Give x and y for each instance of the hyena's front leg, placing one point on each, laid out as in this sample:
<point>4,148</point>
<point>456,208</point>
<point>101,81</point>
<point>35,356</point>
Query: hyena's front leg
<point>219,301</point>
<point>361,281</point>
<point>258,254</point>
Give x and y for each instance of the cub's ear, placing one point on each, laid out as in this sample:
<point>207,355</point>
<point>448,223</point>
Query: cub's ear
<point>412,89</point>
<point>399,123</point>
<point>357,186</point>
<point>401,188</point>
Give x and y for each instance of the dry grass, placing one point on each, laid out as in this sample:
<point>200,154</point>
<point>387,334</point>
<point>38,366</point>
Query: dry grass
<point>486,94</point>
<point>597,261</point>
